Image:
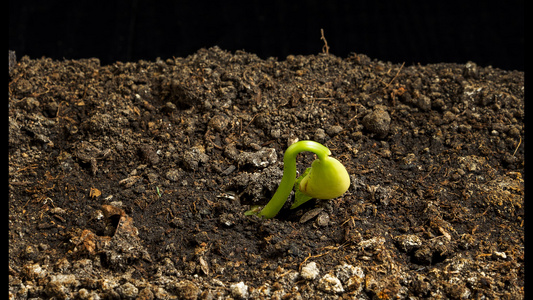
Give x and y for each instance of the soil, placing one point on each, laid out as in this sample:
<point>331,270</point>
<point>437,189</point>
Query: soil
<point>130,181</point>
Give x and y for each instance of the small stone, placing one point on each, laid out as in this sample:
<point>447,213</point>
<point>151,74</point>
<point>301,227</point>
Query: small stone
<point>51,109</point>
<point>128,291</point>
<point>352,277</point>
<point>344,272</point>
<point>152,177</point>
<point>372,243</point>
<point>107,284</point>
<point>262,158</point>
<point>218,123</point>
<point>275,133</point>
<point>408,242</point>
<point>30,253</point>
<point>145,294</point>
<point>261,292</point>
<point>322,219</point>
<point>423,256</point>
<point>227,219</point>
<point>187,290</point>
<point>84,294</point>
<point>470,70</point>
<point>424,103</point>
<point>169,107</point>
<point>160,293</point>
<point>448,116</point>
<point>320,135</point>
<point>309,271</point>
<point>24,86</point>
<point>192,158</point>
<point>59,285</point>
<point>229,170</point>
<point>514,131</point>
<point>172,175</point>
<point>333,130</point>
<point>239,290</point>
<point>330,284</point>
<point>149,154</point>
<point>34,271</point>
<point>31,104</point>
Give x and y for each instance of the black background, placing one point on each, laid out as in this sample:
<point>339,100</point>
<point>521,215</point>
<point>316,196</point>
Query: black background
<point>485,32</point>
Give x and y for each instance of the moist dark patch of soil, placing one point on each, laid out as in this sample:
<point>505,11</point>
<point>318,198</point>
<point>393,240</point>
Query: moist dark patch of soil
<point>131,180</point>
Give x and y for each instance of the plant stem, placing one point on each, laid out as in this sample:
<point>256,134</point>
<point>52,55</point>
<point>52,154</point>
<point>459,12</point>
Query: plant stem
<point>289,175</point>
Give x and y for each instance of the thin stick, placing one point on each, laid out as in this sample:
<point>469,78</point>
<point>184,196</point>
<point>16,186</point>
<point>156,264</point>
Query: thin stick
<point>325,48</point>
<point>520,142</point>
<point>395,75</point>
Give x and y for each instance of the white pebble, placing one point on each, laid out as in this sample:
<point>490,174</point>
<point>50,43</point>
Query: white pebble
<point>330,284</point>
<point>309,271</point>
<point>239,290</point>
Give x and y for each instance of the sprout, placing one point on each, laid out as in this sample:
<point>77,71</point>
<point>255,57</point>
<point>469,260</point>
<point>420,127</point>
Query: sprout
<point>327,178</point>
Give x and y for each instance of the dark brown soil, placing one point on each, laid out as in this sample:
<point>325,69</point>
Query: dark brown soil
<point>131,180</point>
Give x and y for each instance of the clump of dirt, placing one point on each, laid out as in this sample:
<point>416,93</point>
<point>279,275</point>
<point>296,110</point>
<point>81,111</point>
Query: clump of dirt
<point>131,180</point>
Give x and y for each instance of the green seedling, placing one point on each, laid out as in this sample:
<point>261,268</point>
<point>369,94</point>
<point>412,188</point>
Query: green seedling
<point>326,179</point>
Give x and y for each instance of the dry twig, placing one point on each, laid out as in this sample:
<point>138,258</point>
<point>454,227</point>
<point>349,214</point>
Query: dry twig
<point>325,48</point>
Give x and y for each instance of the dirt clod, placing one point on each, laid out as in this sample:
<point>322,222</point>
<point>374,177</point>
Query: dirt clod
<point>378,122</point>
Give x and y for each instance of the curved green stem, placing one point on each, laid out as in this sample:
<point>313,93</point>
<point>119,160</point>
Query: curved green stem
<point>289,175</point>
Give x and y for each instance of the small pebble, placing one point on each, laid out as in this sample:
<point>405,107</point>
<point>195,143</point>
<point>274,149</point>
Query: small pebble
<point>322,219</point>
<point>330,284</point>
<point>172,175</point>
<point>320,135</point>
<point>309,271</point>
<point>239,290</point>
<point>333,130</point>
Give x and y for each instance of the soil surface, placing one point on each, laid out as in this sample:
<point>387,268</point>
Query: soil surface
<point>130,181</point>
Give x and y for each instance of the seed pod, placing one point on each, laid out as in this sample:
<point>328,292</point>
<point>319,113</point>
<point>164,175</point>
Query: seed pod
<point>327,179</point>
